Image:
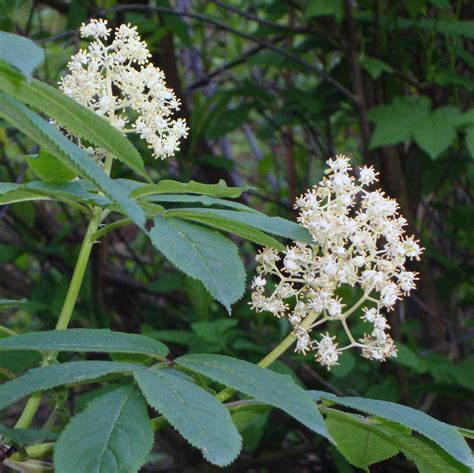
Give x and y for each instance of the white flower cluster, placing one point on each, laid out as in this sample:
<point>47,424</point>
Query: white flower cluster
<point>359,241</point>
<point>118,82</point>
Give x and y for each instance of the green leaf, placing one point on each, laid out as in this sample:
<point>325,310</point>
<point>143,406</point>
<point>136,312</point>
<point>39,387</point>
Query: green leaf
<point>202,420</point>
<point>57,144</point>
<point>49,168</point>
<point>435,133</point>
<point>375,67</point>
<point>428,457</point>
<point>167,186</point>
<point>262,384</point>
<point>222,223</point>
<point>7,304</point>
<point>397,121</point>
<point>202,254</point>
<point>200,199</point>
<point>470,140</point>
<point>49,377</point>
<point>85,340</point>
<point>360,441</point>
<point>70,114</point>
<point>24,437</point>
<point>446,436</point>
<point>112,434</point>
<point>71,193</point>
<point>20,52</point>
<point>275,225</point>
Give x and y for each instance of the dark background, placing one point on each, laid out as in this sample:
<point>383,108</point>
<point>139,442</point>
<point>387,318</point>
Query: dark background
<point>270,90</point>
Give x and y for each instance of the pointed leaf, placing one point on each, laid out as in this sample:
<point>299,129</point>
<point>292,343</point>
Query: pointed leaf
<point>202,254</point>
<point>199,199</point>
<point>446,436</point>
<point>70,114</point>
<point>227,225</point>
<point>49,377</point>
<point>56,143</point>
<point>262,384</point>
<point>360,442</point>
<point>428,457</point>
<point>20,52</point>
<point>192,187</point>
<point>202,420</point>
<point>85,340</point>
<point>112,434</point>
<point>274,225</point>
<point>71,192</point>
<point>49,168</point>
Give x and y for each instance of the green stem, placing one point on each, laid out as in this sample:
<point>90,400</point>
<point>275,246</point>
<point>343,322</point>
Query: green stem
<point>79,271</point>
<point>34,401</point>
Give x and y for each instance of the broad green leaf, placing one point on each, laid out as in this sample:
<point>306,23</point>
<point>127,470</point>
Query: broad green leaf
<point>20,52</point>
<point>85,340</point>
<point>57,144</point>
<point>262,384</point>
<point>202,420</point>
<point>6,304</point>
<point>397,121</point>
<point>200,199</point>
<point>202,254</point>
<point>70,114</point>
<point>24,437</point>
<point>192,187</point>
<point>49,168</point>
<point>429,457</point>
<point>435,132</point>
<point>358,440</point>
<point>112,434</point>
<point>446,436</point>
<point>470,140</point>
<point>274,225</point>
<point>49,377</point>
<point>228,225</point>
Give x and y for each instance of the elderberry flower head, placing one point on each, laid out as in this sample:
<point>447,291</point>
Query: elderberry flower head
<point>118,82</point>
<point>358,241</point>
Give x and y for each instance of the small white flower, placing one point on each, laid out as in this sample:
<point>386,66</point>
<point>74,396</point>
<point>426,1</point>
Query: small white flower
<point>259,282</point>
<point>367,175</point>
<point>95,29</point>
<point>327,352</point>
<point>303,340</point>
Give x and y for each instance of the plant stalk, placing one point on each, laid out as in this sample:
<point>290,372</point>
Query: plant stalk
<point>34,401</point>
<point>98,214</point>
